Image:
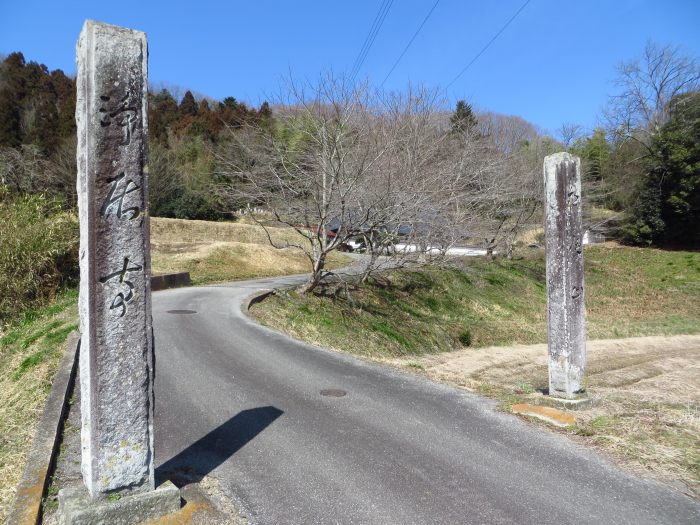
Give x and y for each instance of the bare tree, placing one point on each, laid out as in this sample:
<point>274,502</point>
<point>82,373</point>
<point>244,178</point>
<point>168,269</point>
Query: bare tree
<point>23,169</point>
<point>63,171</point>
<point>569,133</point>
<point>164,178</point>
<point>509,204</point>
<point>313,170</point>
<point>344,163</point>
<point>506,133</point>
<point>508,195</point>
<point>647,85</point>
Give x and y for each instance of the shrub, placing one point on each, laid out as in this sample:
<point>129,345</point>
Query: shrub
<point>465,338</point>
<point>667,209</point>
<point>39,247</point>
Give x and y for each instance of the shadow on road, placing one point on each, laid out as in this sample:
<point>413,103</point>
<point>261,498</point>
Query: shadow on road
<point>207,453</point>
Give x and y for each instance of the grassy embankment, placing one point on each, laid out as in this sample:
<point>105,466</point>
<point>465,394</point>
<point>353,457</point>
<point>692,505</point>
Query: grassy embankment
<point>629,292</point>
<point>218,251</point>
<point>468,326</point>
<point>32,345</point>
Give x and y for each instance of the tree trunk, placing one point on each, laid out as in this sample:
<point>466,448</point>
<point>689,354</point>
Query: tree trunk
<point>315,277</point>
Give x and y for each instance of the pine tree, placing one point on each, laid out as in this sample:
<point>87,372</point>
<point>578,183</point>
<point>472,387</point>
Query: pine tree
<point>596,152</point>
<point>11,95</point>
<point>463,119</point>
<point>66,94</point>
<point>43,126</point>
<point>188,106</point>
<point>9,120</point>
<point>667,210</point>
<point>229,103</point>
<point>265,111</point>
<point>162,112</point>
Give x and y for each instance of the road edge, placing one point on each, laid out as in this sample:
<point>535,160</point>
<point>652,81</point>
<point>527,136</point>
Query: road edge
<point>255,298</point>
<point>26,508</point>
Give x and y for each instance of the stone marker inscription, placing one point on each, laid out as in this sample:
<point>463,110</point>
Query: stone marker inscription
<point>564,250</point>
<point>116,352</point>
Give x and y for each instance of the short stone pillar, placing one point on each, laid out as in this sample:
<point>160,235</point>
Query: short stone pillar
<point>116,352</point>
<point>566,315</point>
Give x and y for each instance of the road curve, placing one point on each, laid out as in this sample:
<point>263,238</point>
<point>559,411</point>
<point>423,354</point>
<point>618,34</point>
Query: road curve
<point>242,403</point>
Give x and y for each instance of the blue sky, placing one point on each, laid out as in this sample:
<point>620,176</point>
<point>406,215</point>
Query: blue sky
<point>553,63</point>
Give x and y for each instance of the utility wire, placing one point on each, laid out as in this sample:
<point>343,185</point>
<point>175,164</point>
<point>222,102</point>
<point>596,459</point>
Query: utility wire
<point>488,45</point>
<point>359,56</point>
<point>410,41</point>
<point>371,30</point>
<point>371,36</point>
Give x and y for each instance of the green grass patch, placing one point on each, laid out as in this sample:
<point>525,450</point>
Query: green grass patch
<point>30,352</point>
<point>483,302</point>
<point>59,336</point>
<point>40,333</point>
<point>30,362</point>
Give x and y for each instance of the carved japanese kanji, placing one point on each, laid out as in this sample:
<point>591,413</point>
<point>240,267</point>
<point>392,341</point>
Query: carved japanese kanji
<point>122,112</point>
<point>120,187</point>
<point>121,299</point>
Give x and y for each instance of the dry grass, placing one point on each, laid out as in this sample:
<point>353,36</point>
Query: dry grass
<point>228,261</point>
<point>167,231</point>
<point>531,236</point>
<point>648,391</point>
<point>29,357</point>
<point>220,251</point>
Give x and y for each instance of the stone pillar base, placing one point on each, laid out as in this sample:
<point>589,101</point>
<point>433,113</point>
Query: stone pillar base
<point>76,508</point>
<point>579,402</point>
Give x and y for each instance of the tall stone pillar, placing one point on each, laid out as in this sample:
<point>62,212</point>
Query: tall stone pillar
<point>116,351</point>
<point>564,251</point>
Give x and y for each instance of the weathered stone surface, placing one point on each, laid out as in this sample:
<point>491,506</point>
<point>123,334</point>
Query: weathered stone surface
<point>116,357</point>
<point>577,403</point>
<point>77,508</point>
<point>564,249</point>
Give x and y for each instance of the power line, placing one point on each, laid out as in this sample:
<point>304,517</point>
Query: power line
<point>371,30</point>
<point>488,45</point>
<point>411,41</point>
<point>371,36</point>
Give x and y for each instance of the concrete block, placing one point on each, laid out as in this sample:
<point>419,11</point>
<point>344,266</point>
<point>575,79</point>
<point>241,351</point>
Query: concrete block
<point>170,280</point>
<point>76,507</point>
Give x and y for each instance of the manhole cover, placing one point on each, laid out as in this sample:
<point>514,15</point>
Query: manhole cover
<point>182,312</point>
<point>333,392</point>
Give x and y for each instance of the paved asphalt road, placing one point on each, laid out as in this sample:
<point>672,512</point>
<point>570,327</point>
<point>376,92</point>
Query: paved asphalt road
<point>242,403</point>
